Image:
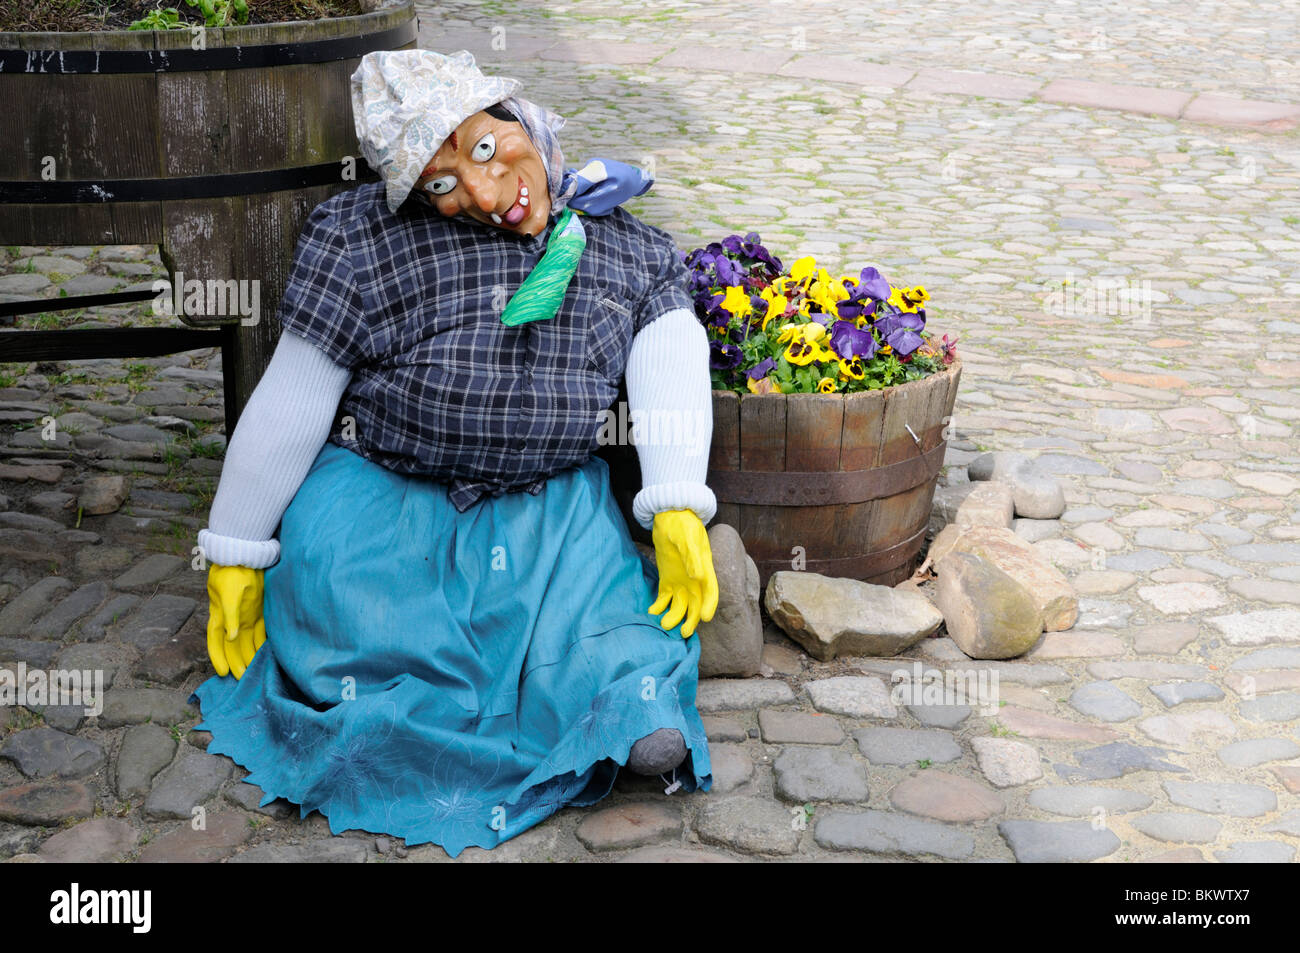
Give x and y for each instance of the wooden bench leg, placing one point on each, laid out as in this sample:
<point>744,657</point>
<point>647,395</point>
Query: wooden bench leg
<point>229,362</point>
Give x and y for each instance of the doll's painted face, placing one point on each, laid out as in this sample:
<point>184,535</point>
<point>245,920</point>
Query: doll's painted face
<point>489,170</point>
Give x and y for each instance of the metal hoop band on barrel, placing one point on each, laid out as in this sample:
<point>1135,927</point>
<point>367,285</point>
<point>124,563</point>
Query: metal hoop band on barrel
<point>788,488</point>
<point>184,60</point>
<point>180,188</point>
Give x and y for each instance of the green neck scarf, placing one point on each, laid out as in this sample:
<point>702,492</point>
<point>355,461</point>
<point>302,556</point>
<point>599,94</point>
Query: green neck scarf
<point>540,296</point>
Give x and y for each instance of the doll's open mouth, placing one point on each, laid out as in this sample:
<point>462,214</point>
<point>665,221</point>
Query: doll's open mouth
<point>518,211</point>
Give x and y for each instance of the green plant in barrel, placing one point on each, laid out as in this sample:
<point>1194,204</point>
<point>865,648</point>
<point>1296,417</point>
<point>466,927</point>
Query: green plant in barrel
<point>216,13</point>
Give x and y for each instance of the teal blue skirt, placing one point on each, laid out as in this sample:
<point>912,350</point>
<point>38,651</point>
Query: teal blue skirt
<point>450,677</point>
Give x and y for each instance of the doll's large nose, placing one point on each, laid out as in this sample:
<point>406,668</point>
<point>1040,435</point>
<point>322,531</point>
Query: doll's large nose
<point>484,189</point>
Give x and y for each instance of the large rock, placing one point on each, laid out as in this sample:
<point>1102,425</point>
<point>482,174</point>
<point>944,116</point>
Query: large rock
<point>1036,494</point>
<point>1047,585</point>
<point>832,617</point>
<point>989,615</point>
<point>732,642</point>
<point>947,500</point>
<point>989,504</point>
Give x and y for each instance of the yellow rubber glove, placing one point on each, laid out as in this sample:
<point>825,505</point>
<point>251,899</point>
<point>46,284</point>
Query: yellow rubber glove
<point>686,576</point>
<point>236,629</point>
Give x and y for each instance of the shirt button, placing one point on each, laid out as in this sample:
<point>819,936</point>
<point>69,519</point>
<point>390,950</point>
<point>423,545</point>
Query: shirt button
<point>521,443</point>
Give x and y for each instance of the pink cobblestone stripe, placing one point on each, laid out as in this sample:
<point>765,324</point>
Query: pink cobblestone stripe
<point>621,54</point>
<point>992,85</point>
<point>1140,99</point>
<point>843,69</point>
<point>758,62</point>
<point>1223,110</point>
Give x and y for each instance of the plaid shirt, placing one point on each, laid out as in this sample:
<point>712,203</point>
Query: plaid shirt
<point>411,302</point>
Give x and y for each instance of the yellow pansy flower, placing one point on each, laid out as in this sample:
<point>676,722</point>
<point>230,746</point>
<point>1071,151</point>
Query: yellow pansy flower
<point>853,368</point>
<point>827,385</point>
<point>789,332</point>
<point>775,306</point>
<point>813,332</point>
<point>909,299</point>
<point>897,300</point>
<point>800,353</point>
<point>737,301</point>
<point>803,269</point>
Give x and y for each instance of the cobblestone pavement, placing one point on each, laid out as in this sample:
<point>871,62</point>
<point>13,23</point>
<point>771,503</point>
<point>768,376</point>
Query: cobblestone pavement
<point>1163,726</point>
<point>1232,47</point>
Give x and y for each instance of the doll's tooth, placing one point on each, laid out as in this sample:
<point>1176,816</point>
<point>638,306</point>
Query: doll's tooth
<point>496,219</point>
<point>524,190</point>
<point>524,200</point>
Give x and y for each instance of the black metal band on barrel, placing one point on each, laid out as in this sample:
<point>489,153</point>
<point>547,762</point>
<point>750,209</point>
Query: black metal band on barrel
<point>855,567</point>
<point>185,60</point>
<point>790,488</point>
<point>185,187</point>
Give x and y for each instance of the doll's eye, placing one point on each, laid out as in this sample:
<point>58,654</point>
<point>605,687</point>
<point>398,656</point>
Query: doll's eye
<point>442,186</point>
<point>485,149</point>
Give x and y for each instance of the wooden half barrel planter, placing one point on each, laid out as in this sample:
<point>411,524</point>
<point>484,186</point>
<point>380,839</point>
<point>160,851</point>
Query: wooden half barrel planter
<point>215,154</point>
<point>836,484</point>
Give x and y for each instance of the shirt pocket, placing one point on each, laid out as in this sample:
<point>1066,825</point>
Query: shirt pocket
<point>609,333</point>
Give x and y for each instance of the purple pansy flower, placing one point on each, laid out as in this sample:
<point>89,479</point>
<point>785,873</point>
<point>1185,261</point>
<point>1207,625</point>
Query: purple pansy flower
<point>850,341</point>
<point>723,357</point>
<point>728,273</point>
<point>903,335</point>
<point>873,284</point>
<point>761,369</point>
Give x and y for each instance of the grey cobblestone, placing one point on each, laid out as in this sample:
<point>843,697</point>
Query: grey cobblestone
<point>885,833</point>
<point>1057,841</point>
<point>1236,800</point>
<point>1175,827</point>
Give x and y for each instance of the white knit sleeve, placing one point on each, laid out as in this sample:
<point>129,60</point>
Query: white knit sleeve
<point>278,436</point>
<point>670,404</point>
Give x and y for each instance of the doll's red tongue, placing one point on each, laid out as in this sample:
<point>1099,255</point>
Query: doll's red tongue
<point>516,214</point>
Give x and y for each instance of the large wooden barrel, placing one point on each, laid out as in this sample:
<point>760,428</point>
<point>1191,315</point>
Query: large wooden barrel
<point>837,484</point>
<point>216,154</point>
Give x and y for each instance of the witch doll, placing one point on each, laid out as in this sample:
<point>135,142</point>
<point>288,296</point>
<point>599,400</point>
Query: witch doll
<point>427,616</point>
